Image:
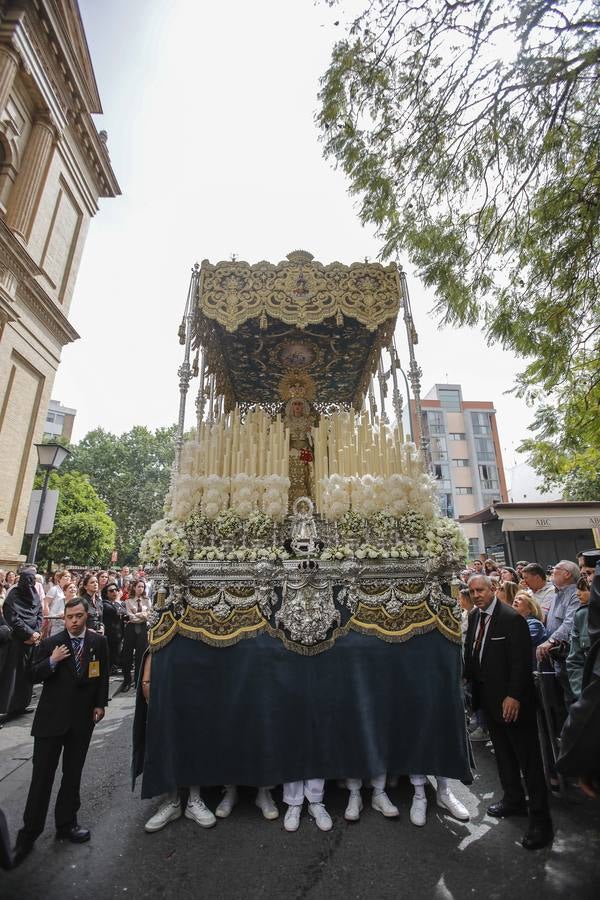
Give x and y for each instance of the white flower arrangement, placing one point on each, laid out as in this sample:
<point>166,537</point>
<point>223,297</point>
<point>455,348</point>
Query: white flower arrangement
<point>274,500</point>
<point>336,497</point>
<point>370,495</point>
<point>215,497</point>
<point>164,538</point>
<point>242,554</point>
<point>184,496</point>
<point>443,539</point>
<point>245,493</point>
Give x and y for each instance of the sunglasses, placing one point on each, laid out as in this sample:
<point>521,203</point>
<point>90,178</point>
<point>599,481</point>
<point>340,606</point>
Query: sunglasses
<point>112,589</point>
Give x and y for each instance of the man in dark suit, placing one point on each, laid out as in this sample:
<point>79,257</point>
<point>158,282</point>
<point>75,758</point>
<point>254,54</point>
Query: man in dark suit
<point>73,666</point>
<point>498,663</point>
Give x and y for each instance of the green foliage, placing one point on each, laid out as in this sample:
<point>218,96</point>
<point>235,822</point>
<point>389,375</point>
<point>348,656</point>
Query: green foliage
<point>561,451</point>
<point>131,474</point>
<point>83,533</point>
<point>471,133</point>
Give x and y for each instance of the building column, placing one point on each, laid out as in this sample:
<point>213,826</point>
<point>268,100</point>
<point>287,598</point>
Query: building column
<point>9,63</point>
<point>23,197</point>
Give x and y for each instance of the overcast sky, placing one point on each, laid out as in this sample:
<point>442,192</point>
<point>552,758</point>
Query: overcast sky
<point>210,112</point>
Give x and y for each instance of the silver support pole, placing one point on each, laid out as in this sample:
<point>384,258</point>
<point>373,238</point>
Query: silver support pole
<point>185,370</point>
<point>414,371</point>
<point>381,377</point>
<point>372,402</point>
<point>211,401</point>
<point>396,395</point>
<point>200,396</point>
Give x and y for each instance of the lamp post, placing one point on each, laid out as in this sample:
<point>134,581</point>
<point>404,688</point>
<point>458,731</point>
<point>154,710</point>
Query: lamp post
<point>50,457</point>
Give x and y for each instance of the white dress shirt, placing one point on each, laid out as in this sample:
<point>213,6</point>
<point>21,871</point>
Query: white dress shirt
<point>488,618</point>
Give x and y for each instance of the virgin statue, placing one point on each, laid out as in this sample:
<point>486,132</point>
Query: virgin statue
<point>299,420</point>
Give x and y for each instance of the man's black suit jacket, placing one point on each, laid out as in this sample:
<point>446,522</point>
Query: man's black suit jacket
<point>69,699</point>
<point>506,664</point>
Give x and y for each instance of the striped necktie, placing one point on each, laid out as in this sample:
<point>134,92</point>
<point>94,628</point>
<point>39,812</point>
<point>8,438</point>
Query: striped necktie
<point>480,635</point>
<point>78,652</point>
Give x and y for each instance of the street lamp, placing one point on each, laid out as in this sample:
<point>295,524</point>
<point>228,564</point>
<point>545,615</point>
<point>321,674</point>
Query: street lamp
<point>50,457</point>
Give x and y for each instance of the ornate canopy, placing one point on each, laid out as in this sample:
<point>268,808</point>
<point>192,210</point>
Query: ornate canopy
<point>257,323</point>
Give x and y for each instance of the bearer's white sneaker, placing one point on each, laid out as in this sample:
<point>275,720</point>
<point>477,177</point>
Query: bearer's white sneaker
<point>227,803</point>
<point>321,816</point>
<point>197,810</point>
<point>418,811</point>
<point>382,803</point>
<point>265,803</point>
<point>446,800</point>
<point>291,820</point>
<point>354,808</point>
<point>168,811</point>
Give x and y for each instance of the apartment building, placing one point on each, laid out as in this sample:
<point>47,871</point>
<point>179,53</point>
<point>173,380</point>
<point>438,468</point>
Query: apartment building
<point>59,421</point>
<point>466,459</point>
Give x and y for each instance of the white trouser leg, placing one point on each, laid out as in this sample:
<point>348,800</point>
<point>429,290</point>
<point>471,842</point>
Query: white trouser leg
<point>378,783</point>
<point>353,784</point>
<point>293,793</point>
<point>418,782</point>
<point>313,790</point>
<point>194,793</point>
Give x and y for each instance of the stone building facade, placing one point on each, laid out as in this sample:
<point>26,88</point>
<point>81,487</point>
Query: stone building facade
<point>54,167</point>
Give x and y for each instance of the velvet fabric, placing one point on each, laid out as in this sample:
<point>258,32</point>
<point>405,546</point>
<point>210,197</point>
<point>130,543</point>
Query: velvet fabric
<point>257,713</point>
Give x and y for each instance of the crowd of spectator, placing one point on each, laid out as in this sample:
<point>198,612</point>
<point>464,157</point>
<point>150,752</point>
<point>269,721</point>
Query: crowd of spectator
<point>32,608</point>
<point>554,603</point>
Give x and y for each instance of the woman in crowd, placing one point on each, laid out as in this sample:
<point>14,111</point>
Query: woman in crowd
<point>9,580</point>
<point>102,577</point>
<point>135,639</point>
<point>528,607</point>
<point>54,612</point>
<point>507,573</point>
<point>112,616</point>
<point>506,592</point>
<point>89,591</point>
<point>23,614</point>
<point>490,566</point>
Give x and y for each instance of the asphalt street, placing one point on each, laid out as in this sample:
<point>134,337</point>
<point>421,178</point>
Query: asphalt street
<point>247,857</point>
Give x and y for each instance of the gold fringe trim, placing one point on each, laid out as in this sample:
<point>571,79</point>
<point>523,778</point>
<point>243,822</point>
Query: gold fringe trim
<point>199,634</point>
<point>306,649</point>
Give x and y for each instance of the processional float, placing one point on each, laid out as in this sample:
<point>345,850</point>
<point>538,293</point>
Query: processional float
<point>300,517</point>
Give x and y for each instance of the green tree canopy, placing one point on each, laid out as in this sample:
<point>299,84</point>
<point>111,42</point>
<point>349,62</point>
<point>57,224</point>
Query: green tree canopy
<point>83,533</point>
<point>131,473</point>
<point>471,133</point>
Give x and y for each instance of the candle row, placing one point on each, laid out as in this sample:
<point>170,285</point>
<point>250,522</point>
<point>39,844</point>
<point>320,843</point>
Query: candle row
<point>350,445</point>
<point>256,445</point>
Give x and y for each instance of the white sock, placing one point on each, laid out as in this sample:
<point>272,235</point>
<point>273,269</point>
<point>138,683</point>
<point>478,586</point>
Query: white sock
<point>195,795</point>
<point>442,784</point>
<point>420,791</point>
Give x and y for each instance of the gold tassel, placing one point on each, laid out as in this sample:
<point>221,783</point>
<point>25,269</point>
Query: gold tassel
<point>263,320</point>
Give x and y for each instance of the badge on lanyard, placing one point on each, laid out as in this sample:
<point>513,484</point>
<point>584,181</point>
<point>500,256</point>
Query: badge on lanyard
<point>94,668</point>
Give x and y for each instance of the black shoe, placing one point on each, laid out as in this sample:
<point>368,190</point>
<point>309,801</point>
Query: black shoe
<point>503,809</point>
<point>75,833</point>
<point>538,835</point>
<point>21,851</point>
